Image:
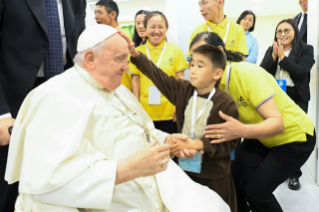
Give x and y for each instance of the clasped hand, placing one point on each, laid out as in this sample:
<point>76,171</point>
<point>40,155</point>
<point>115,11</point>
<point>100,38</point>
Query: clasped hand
<point>278,50</point>
<point>5,124</point>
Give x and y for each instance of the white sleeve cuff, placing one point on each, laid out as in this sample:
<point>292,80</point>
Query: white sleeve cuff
<point>92,188</point>
<point>6,115</point>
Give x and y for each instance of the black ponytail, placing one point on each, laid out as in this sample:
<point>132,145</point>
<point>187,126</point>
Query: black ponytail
<point>213,39</point>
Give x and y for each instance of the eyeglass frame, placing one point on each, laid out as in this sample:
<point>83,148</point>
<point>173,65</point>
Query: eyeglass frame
<point>289,30</point>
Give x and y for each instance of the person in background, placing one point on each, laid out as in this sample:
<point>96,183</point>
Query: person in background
<point>301,20</point>
<point>247,20</point>
<point>29,31</point>
<point>139,39</point>
<point>139,30</point>
<point>167,57</point>
<point>290,59</point>
<point>107,12</point>
<point>231,33</point>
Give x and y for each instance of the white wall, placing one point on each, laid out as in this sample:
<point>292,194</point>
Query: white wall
<point>313,35</point>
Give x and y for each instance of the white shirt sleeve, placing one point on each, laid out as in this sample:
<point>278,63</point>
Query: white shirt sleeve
<point>92,188</point>
<point>6,115</point>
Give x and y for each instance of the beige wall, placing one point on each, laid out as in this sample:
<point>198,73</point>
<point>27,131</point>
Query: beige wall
<point>265,31</point>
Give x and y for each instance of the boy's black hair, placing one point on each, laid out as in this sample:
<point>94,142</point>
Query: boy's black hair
<point>214,54</point>
<point>109,6</point>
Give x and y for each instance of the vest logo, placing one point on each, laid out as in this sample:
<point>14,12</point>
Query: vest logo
<point>169,62</point>
<point>231,45</point>
<point>241,102</point>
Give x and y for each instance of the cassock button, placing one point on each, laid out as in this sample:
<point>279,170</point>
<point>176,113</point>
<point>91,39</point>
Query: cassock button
<point>36,67</point>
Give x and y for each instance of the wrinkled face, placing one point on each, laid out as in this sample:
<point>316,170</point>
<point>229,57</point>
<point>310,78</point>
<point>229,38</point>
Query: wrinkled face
<point>247,22</point>
<point>285,34</point>
<point>111,62</point>
<point>101,15</point>
<point>209,8</point>
<point>139,24</point>
<point>156,30</point>
<point>304,5</point>
<point>202,72</point>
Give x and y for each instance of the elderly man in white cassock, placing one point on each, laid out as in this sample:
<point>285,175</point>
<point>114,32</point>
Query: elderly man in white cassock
<point>82,142</point>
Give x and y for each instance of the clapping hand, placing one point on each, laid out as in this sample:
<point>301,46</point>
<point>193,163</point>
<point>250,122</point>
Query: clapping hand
<point>275,50</point>
<point>281,54</point>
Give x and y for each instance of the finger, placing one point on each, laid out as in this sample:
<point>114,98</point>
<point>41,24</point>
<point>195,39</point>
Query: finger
<point>182,154</point>
<point>192,152</point>
<point>164,154</point>
<point>124,35</point>
<point>224,116</point>
<point>163,147</point>
<point>218,141</point>
<point>214,126</point>
<point>201,152</point>
<point>214,132</point>
<point>214,136</point>
<point>179,136</point>
<point>153,144</point>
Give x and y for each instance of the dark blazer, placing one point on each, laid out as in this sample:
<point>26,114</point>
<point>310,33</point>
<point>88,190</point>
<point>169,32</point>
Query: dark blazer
<point>297,20</point>
<point>299,71</point>
<point>24,43</point>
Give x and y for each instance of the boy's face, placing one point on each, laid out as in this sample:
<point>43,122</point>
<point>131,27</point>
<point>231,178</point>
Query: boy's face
<point>202,73</point>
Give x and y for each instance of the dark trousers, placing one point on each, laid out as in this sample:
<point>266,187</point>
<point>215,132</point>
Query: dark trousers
<point>258,171</point>
<point>294,95</point>
<point>9,193</point>
<point>166,126</point>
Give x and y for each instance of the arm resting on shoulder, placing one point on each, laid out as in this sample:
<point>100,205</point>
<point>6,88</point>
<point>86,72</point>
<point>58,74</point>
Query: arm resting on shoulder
<point>301,69</point>
<point>222,149</point>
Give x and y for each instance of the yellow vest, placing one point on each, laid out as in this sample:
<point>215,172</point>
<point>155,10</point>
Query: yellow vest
<point>173,61</point>
<point>235,41</point>
<point>251,86</point>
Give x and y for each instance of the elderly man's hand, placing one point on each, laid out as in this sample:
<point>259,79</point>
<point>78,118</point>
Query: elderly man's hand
<point>133,51</point>
<point>4,130</point>
<point>150,160</point>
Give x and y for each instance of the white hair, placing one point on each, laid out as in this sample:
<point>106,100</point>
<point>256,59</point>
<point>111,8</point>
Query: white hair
<point>97,49</point>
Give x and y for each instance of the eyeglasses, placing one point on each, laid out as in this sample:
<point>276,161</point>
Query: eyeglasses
<point>286,32</point>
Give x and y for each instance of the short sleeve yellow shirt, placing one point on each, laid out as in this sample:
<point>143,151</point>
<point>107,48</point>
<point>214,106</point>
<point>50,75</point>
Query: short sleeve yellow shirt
<point>251,86</point>
<point>127,78</point>
<point>172,62</point>
<point>235,41</point>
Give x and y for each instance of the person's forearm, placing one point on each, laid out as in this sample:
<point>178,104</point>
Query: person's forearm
<point>136,86</point>
<point>265,129</point>
<point>124,172</point>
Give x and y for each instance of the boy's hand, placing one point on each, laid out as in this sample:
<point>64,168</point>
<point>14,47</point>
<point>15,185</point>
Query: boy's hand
<point>173,138</point>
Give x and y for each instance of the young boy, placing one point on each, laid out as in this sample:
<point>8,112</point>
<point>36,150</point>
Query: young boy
<point>207,68</point>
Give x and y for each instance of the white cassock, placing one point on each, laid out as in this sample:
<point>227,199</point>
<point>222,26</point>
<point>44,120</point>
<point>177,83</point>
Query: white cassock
<point>68,136</point>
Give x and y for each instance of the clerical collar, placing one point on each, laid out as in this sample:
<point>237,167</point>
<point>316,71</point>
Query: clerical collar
<point>222,24</point>
<point>87,76</point>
